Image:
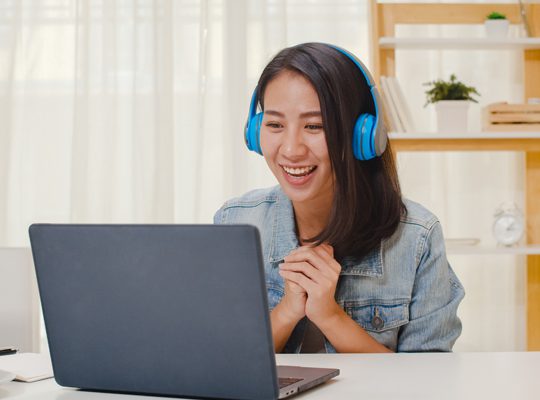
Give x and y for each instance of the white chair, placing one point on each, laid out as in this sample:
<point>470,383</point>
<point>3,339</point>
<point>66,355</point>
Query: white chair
<point>19,300</point>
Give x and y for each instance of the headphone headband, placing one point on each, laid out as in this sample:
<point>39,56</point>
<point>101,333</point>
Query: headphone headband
<point>363,69</point>
<point>369,137</point>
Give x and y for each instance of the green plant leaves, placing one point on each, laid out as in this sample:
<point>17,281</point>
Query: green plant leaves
<point>496,15</point>
<point>449,90</point>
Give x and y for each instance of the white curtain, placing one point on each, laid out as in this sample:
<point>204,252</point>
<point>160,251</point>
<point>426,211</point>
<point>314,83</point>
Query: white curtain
<point>133,111</point>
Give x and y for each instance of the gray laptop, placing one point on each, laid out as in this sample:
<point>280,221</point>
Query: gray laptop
<point>175,310</point>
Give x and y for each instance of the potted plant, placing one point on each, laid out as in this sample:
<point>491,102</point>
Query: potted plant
<point>451,99</point>
<point>496,25</point>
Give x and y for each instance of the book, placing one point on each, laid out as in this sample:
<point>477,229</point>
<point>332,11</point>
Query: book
<point>391,106</point>
<point>395,103</point>
<point>384,111</point>
<point>27,367</point>
<point>404,112</point>
<point>6,376</point>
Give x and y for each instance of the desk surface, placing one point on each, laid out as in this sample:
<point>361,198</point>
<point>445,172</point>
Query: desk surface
<point>375,376</point>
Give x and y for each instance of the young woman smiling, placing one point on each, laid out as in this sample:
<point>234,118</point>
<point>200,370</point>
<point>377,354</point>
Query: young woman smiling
<point>350,265</point>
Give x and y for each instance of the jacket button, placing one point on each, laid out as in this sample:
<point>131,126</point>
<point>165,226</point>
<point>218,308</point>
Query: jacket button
<point>377,322</point>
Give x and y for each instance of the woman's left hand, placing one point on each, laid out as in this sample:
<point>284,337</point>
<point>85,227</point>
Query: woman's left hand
<point>315,270</point>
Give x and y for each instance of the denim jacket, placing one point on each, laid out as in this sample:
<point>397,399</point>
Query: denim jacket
<point>406,281</point>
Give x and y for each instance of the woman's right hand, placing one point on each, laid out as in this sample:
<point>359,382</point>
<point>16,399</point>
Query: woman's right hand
<point>293,302</point>
<point>285,316</point>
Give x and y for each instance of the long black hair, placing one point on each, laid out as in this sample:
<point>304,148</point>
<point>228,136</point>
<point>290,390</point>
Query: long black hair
<point>367,204</point>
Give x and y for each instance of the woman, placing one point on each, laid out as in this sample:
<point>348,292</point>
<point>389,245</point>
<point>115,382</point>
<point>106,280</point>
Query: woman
<point>350,266</point>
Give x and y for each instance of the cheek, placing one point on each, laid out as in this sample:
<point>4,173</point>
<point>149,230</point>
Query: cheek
<point>264,141</point>
<point>268,144</point>
<point>320,149</point>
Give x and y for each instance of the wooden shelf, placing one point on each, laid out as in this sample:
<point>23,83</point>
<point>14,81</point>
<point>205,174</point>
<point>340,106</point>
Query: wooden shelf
<point>468,135</point>
<point>384,17</point>
<point>402,43</point>
<point>473,141</point>
<point>454,249</point>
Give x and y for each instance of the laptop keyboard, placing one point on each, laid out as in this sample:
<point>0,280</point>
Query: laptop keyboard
<point>287,381</point>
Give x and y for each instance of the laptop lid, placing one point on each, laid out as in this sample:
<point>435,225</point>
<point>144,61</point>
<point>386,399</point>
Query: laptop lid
<point>159,309</point>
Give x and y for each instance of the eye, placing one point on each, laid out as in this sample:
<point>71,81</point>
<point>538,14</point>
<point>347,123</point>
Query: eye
<point>314,127</point>
<point>274,125</point>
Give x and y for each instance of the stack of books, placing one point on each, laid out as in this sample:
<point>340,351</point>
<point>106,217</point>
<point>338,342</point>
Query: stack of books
<point>25,367</point>
<point>396,112</point>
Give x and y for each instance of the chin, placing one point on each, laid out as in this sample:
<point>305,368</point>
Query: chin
<point>297,195</point>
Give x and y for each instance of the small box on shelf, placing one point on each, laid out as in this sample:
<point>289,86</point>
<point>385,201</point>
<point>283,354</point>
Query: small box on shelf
<point>504,117</point>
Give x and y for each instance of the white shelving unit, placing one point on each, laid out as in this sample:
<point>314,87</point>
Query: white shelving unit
<point>454,249</point>
<point>385,17</point>
<point>469,135</point>
<point>401,43</point>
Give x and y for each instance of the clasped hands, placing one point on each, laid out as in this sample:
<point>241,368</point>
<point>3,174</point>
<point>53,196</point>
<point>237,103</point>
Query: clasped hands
<point>311,275</point>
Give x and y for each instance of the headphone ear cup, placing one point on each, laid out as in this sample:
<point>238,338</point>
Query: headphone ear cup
<point>380,139</point>
<point>364,137</point>
<point>253,133</point>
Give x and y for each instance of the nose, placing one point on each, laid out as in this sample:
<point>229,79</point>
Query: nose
<point>293,145</point>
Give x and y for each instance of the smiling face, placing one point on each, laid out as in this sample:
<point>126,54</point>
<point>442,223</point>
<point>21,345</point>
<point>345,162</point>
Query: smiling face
<point>293,141</point>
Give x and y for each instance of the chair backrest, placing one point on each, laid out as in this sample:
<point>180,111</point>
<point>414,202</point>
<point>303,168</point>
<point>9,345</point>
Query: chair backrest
<point>19,301</point>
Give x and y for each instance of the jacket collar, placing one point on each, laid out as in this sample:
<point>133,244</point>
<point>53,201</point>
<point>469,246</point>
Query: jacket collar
<point>371,265</point>
<point>284,240</point>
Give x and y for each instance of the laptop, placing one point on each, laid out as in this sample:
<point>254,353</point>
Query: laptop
<point>174,310</point>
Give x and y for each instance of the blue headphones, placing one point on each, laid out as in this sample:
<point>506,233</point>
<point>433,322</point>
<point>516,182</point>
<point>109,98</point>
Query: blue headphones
<point>370,135</point>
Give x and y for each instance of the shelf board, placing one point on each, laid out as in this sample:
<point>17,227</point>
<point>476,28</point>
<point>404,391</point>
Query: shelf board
<point>454,249</point>
<point>468,135</point>
<point>459,43</point>
<point>471,141</point>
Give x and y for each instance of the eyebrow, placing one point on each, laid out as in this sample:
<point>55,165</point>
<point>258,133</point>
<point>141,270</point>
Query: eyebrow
<point>303,115</point>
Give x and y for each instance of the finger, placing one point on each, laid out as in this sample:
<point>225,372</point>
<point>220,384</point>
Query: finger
<point>318,258</point>
<point>305,268</point>
<point>322,250</point>
<point>297,277</point>
<point>328,256</point>
<point>328,248</point>
<point>305,254</point>
<point>295,287</point>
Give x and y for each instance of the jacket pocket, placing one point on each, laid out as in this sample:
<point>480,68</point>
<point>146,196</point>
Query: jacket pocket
<point>378,316</point>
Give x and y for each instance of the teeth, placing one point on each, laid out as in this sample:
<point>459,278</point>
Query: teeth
<point>299,171</point>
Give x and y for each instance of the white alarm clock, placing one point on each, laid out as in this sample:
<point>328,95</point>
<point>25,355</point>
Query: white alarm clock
<point>509,224</point>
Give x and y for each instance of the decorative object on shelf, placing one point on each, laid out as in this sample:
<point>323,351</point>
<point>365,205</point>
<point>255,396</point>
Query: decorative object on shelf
<point>451,99</point>
<point>504,117</point>
<point>496,25</point>
<point>508,225</point>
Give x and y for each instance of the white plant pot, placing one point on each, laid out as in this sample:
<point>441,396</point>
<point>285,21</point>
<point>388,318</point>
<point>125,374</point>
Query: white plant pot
<point>496,28</point>
<point>452,116</point>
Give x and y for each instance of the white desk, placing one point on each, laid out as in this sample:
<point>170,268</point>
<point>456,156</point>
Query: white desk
<point>456,376</point>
